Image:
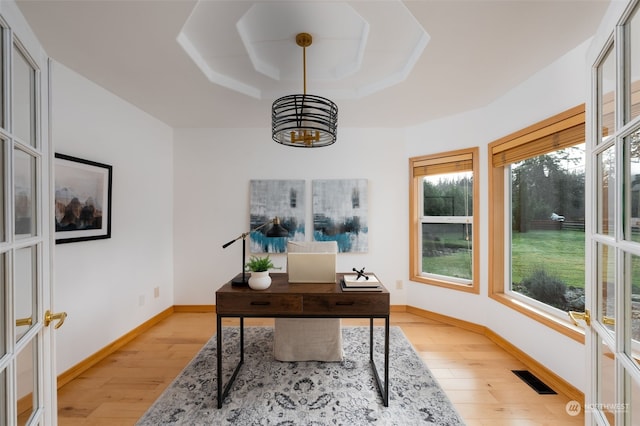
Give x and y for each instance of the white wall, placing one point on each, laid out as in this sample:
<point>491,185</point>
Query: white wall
<point>100,283</point>
<point>552,90</point>
<point>213,168</point>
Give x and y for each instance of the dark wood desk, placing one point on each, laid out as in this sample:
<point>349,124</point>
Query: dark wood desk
<point>290,300</point>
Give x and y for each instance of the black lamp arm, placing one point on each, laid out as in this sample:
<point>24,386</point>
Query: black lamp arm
<point>243,236</point>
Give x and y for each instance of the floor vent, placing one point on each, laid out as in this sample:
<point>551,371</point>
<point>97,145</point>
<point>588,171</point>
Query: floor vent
<point>535,383</point>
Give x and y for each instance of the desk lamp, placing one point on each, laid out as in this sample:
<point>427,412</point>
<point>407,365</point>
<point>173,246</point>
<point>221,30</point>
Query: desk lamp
<point>276,230</point>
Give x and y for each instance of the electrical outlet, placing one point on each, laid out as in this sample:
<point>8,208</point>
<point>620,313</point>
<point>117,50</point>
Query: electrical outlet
<point>141,300</point>
<point>399,284</point>
<point>156,292</point>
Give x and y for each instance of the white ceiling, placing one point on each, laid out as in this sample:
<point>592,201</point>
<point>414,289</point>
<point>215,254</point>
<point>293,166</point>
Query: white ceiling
<point>477,50</point>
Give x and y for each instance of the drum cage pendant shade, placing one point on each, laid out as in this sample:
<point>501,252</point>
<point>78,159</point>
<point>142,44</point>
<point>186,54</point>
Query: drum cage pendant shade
<point>305,121</point>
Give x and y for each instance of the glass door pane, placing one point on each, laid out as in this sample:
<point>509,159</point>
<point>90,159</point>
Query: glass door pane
<point>25,278</point>
<point>632,187</point>
<point>26,383</point>
<point>3,305</point>
<point>633,78</point>
<point>606,286</point>
<point>3,189</point>
<point>633,404</point>
<point>607,383</point>
<point>632,290</point>
<point>4,418</point>
<point>606,192</point>
<point>607,94</point>
<point>3,123</point>
<point>24,194</point>
<point>24,98</point>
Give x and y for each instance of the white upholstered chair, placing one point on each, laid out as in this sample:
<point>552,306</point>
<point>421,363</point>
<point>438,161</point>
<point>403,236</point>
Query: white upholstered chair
<point>308,339</point>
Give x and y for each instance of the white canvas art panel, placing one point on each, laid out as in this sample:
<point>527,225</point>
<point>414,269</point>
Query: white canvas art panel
<point>340,213</point>
<point>284,199</point>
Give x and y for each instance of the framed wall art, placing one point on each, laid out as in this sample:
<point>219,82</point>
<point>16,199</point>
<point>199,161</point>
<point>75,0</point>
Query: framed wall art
<point>284,199</point>
<point>340,213</point>
<point>82,199</point>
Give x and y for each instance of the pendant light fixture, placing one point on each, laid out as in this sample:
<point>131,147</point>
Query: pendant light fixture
<point>306,121</point>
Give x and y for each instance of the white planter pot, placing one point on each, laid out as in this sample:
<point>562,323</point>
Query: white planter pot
<point>259,280</point>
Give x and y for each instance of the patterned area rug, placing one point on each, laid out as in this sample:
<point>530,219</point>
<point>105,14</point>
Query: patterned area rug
<point>268,392</point>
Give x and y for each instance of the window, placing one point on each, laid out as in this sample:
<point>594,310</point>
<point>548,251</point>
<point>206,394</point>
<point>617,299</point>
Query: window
<point>537,220</point>
<point>444,206</point>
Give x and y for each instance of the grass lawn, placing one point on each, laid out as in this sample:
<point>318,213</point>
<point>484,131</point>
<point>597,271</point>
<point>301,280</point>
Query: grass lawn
<point>455,261</point>
<point>456,264</point>
<point>559,253</point>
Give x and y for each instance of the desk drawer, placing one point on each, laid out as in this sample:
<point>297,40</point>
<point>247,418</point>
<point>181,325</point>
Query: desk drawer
<point>248,304</point>
<point>347,304</point>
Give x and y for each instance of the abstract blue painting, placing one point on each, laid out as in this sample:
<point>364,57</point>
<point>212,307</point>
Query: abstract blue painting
<point>340,210</point>
<point>284,199</point>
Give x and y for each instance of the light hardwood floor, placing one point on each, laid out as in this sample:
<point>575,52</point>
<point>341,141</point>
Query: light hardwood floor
<point>473,371</point>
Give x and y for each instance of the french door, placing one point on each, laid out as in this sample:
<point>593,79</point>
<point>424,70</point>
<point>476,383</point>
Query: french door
<point>27,376</point>
<point>613,241</point>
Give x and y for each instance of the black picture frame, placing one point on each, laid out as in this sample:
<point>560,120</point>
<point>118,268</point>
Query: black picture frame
<point>82,199</point>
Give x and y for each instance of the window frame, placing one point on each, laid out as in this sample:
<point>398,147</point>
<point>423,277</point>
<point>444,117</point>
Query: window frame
<point>466,159</point>
<point>540,137</point>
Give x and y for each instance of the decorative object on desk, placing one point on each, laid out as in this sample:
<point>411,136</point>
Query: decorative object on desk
<point>305,392</point>
<point>360,282</point>
<point>82,200</point>
<point>285,199</point>
<point>259,267</point>
<point>340,210</point>
<point>275,231</point>
<point>360,274</point>
<point>305,121</point>
<point>360,285</point>
<point>259,280</point>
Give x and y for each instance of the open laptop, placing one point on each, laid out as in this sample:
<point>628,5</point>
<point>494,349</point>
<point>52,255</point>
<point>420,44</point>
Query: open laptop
<point>311,267</point>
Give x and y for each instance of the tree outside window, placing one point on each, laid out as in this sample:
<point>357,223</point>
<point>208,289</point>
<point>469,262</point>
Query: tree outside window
<point>547,232</point>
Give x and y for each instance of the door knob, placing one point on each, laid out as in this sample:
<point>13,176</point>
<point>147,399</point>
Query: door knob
<point>49,317</point>
<point>575,316</point>
<point>24,321</point>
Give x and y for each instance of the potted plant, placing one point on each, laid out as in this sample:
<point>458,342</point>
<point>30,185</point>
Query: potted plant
<point>259,267</point>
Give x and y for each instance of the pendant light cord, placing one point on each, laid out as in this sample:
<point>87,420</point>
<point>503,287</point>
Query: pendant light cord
<point>304,69</point>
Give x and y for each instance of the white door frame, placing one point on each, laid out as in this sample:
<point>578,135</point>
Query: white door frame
<point>610,368</point>
<point>37,334</point>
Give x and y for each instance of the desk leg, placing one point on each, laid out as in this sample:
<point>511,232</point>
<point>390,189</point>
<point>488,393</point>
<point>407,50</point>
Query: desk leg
<point>219,357</point>
<point>223,393</point>
<point>386,361</point>
<point>382,387</point>
<point>371,339</point>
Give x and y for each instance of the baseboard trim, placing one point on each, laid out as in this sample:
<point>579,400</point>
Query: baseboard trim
<point>548,376</point>
<point>92,360</point>
<point>555,381</point>
<point>194,308</point>
<point>465,325</point>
